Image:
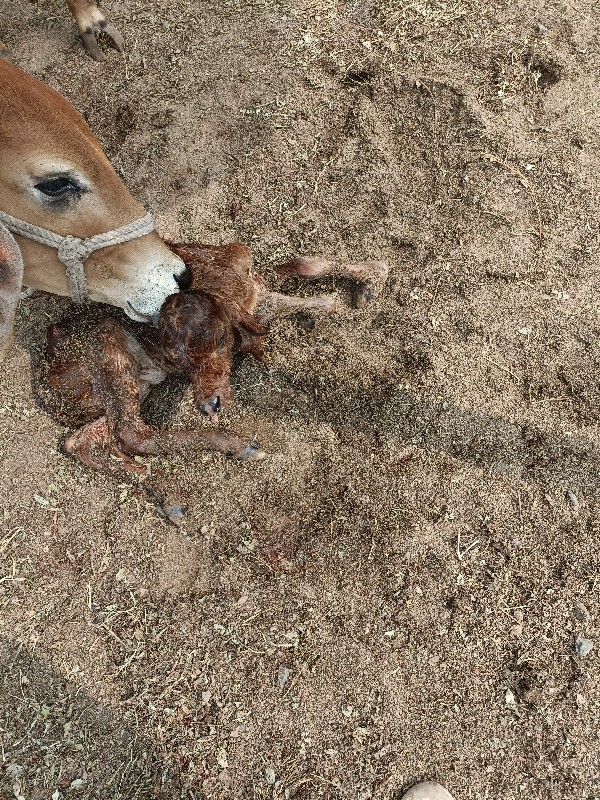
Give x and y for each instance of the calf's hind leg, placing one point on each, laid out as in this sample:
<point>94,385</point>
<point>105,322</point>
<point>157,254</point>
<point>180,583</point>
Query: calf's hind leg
<point>93,444</point>
<point>369,275</point>
<point>272,305</point>
<point>90,21</point>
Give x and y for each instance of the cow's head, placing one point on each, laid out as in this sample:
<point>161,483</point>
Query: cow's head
<point>54,174</point>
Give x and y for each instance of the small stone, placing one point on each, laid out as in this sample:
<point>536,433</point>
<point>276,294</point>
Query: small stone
<point>509,699</point>
<point>270,775</point>
<point>583,646</point>
<point>14,771</point>
<point>175,514</point>
<point>580,612</point>
<point>283,674</point>
<point>517,628</point>
<point>573,501</point>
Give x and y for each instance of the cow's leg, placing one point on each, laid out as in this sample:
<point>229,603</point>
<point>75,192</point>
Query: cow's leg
<point>370,275</point>
<point>272,305</point>
<point>90,21</point>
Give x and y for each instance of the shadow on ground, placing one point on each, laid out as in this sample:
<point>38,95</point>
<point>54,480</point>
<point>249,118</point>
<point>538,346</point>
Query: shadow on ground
<point>57,738</point>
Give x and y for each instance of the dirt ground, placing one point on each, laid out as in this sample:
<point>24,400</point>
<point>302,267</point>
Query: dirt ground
<point>397,591</point>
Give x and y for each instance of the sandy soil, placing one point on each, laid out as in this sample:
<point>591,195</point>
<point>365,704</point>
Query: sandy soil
<point>397,591</point>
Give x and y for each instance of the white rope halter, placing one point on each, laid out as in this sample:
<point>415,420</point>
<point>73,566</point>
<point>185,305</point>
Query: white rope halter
<point>72,252</point>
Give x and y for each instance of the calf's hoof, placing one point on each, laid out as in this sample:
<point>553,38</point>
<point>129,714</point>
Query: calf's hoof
<point>175,514</point>
<point>371,277</point>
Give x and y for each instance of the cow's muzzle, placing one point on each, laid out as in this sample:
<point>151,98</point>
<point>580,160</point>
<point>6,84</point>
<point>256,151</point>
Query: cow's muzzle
<point>72,251</point>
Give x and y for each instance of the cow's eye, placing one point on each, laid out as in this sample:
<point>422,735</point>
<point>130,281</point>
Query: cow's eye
<point>57,187</point>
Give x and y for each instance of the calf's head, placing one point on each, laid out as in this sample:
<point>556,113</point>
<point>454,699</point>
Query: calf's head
<point>54,174</point>
<point>199,335</point>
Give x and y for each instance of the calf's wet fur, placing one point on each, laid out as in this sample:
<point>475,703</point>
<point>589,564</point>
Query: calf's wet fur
<point>100,369</point>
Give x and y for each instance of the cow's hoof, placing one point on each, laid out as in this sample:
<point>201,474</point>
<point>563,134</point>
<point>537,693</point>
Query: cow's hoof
<point>91,21</point>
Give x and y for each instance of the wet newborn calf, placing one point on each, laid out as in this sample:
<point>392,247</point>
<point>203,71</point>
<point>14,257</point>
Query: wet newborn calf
<point>99,372</point>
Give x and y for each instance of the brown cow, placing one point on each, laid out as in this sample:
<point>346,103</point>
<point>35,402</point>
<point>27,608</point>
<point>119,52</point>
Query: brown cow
<point>55,179</point>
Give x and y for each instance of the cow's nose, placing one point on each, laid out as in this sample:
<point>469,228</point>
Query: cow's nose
<point>183,280</point>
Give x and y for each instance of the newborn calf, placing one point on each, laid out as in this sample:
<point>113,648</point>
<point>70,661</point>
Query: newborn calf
<point>100,371</point>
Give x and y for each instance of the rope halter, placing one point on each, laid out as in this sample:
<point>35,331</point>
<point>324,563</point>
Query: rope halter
<point>72,252</point>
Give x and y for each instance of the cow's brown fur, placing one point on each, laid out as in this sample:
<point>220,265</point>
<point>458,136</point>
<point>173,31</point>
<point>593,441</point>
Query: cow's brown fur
<point>41,136</point>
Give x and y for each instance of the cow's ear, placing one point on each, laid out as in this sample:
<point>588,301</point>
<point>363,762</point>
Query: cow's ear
<point>11,279</point>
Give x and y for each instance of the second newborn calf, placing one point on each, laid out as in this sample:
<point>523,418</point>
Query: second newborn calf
<point>100,372</point>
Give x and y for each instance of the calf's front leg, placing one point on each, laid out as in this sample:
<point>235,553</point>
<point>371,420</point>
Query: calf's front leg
<point>90,21</point>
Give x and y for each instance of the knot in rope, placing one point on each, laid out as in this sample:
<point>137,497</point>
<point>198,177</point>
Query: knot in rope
<point>72,251</point>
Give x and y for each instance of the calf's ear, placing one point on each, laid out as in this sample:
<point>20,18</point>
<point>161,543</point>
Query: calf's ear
<point>11,279</point>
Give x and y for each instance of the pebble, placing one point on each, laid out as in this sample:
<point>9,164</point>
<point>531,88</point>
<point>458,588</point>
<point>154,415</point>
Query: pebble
<point>573,501</point>
<point>283,674</point>
<point>580,612</point>
<point>270,775</point>
<point>429,790</point>
<point>583,646</point>
<point>510,699</point>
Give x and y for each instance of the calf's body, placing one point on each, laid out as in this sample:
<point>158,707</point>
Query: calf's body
<point>99,373</point>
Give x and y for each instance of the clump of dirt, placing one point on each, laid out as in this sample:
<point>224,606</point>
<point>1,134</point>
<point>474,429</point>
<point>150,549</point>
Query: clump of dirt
<point>394,594</point>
